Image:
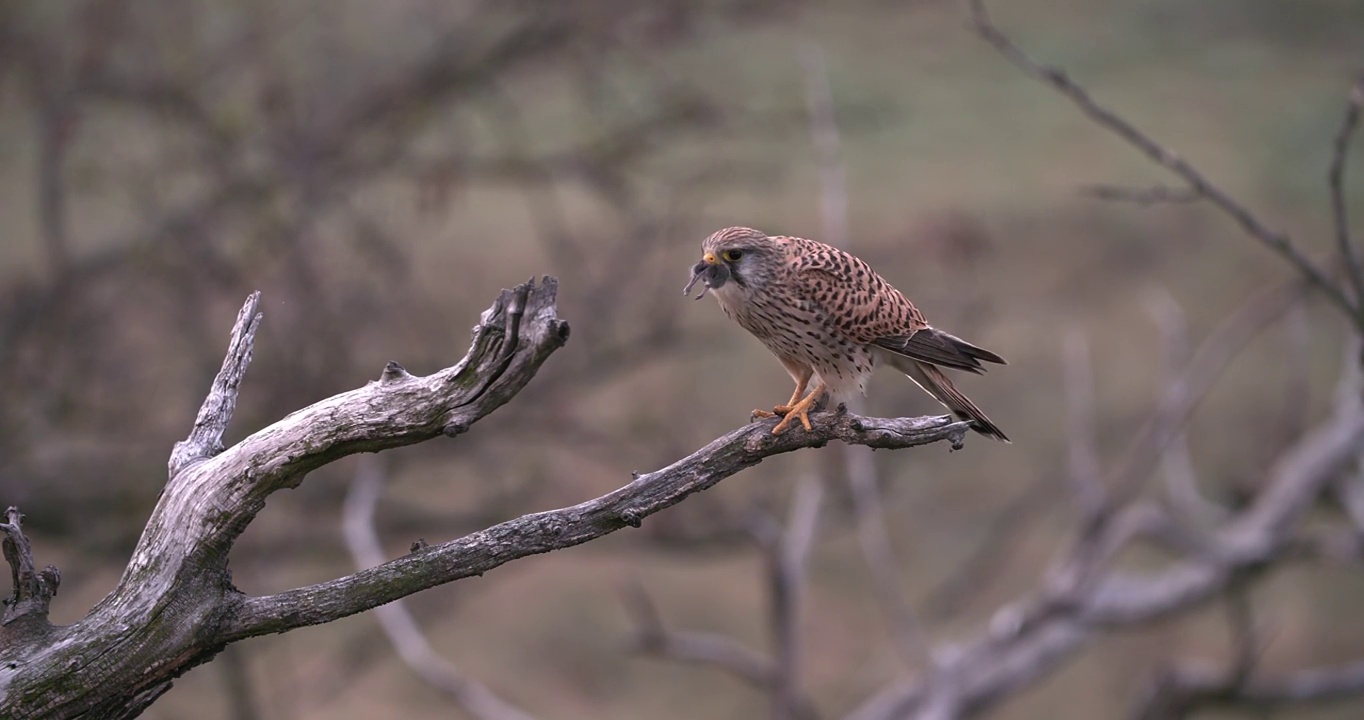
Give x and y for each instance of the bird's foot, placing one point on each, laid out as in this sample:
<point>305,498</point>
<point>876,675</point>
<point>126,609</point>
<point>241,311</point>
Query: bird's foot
<point>800,410</point>
<point>778,411</point>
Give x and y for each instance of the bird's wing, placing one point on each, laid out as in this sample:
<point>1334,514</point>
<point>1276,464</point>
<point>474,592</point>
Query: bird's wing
<point>932,345</point>
<point>856,303</point>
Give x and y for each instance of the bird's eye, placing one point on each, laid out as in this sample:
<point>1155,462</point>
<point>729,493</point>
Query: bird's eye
<point>732,255</point>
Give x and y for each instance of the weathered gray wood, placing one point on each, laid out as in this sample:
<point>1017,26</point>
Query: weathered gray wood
<point>33,589</point>
<point>175,606</point>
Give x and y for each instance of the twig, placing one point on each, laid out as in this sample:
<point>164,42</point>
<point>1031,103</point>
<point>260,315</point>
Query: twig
<point>873,538</point>
<point>1181,481</point>
<point>872,535</point>
<point>1179,398</point>
<point>725,653</point>
<point>819,102</point>
<point>1084,469</point>
<point>786,578</point>
<point>1336,181</point>
<point>970,577</point>
<point>1155,195</point>
<point>1190,687</point>
<point>704,648</point>
<point>206,438</point>
<point>236,676</point>
<point>1276,241</point>
<point>396,619</point>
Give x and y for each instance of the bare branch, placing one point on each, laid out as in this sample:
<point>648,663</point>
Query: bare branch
<point>873,538</point>
<point>725,653</point>
<point>1158,194</point>
<point>206,438</point>
<point>1179,398</point>
<point>1084,469</point>
<point>649,493</point>
<point>1275,240</point>
<point>953,595</point>
<point>399,625</point>
<point>1247,643</point>
<point>703,648</point>
<point>872,534</point>
<point>1191,687</point>
<point>786,578</point>
<point>1181,481</point>
<point>33,589</point>
<point>240,696</point>
<point>175,600</point>
<point>824,136</point>
<point>1336,181</point>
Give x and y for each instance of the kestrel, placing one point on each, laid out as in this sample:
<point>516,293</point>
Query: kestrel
<point>829,317</point>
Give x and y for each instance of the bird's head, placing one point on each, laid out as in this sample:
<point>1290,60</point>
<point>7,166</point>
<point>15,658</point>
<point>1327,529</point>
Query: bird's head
<point>738,259</point>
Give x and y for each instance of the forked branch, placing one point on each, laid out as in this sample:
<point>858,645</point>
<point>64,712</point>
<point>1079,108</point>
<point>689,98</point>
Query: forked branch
<point>175,606</point>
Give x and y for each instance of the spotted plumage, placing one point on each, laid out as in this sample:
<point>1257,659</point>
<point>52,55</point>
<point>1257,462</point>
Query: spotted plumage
<point>830,318</point>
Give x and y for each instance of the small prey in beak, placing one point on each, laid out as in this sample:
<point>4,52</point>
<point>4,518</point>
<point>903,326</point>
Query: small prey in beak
<point>711,272</point>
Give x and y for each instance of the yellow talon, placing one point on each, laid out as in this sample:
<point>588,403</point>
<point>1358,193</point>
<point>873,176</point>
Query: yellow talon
<point>799,410</point>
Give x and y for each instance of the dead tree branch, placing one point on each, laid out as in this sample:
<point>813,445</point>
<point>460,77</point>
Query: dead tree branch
<point>175,606</point>
<point>1277,241</point>
<point>33,589</point>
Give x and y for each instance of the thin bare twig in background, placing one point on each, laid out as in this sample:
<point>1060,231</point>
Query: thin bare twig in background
<point>787,561</point>
<point>1084,470</point>
<point>972,576</point>
<point>398,623</point>
<point>237,686</point>
<point>1350,489</point>
<point>1336,182</point>
<point>1179,398</point>
<point>860,467</point>
<point>1154,195</point>
<point>1275,240</point>
<point>722,652</point>
<point>1176,464</point>
<point>652,636</point>
<point>824,136</point>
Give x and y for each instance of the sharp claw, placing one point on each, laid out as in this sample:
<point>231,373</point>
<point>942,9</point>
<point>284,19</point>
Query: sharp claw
<point>781,426</point>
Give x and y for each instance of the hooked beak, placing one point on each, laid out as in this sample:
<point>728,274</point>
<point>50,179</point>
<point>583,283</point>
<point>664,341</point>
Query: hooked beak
<point>711,271</point>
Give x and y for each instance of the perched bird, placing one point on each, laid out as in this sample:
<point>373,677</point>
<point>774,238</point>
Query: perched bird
<point>828,317</point>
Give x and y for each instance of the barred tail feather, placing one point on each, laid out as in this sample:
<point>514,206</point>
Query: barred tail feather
<point>937,384</point>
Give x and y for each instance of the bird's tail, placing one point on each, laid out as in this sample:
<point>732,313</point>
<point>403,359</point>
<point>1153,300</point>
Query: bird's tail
<point>937,384</point>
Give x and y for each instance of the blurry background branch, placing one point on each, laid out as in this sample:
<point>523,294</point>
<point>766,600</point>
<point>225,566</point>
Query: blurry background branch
<point>399,625</point>
<point>1275,240</point>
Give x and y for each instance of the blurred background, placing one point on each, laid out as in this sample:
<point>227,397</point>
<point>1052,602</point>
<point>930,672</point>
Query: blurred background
<point>381,170</point>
